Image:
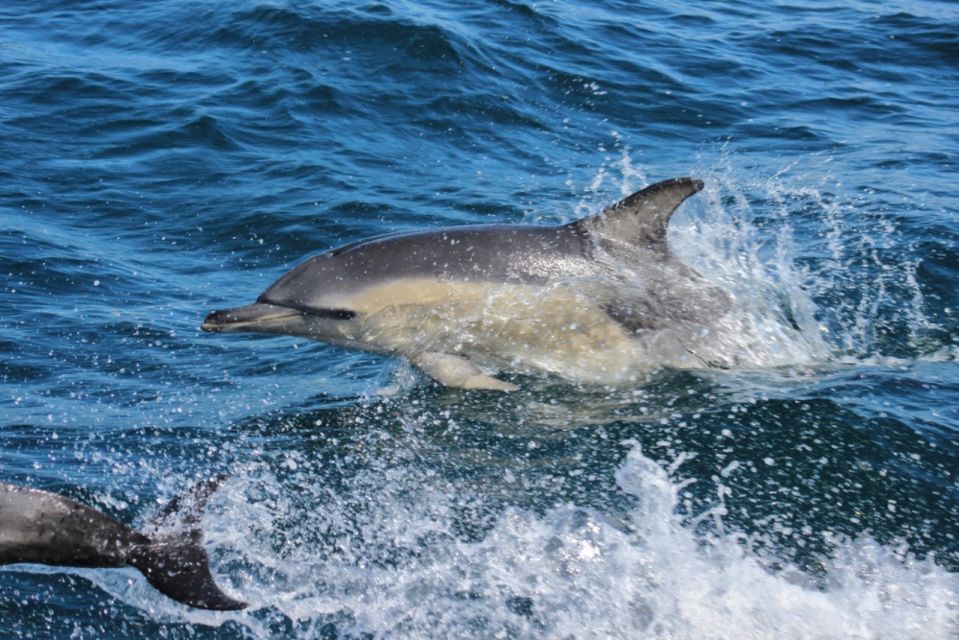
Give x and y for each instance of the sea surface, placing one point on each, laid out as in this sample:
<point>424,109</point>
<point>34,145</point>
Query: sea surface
<point>159,160</point>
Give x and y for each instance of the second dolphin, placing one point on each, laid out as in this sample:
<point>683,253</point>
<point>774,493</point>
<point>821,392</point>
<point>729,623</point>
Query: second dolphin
<point>39,527</point>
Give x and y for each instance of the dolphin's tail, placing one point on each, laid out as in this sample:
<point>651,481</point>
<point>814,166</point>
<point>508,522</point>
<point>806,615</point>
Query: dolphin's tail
<point>176,564</point>
<point>178,567</point>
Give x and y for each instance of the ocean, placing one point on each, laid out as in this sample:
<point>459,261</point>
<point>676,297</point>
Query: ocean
<point>160,160</point>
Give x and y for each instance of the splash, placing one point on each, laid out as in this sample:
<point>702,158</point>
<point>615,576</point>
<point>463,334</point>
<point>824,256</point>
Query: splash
<point>818,274</point>
<point>388,557</point>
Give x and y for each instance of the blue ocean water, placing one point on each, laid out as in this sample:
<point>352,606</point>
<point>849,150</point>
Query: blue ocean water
<point>160,160</point>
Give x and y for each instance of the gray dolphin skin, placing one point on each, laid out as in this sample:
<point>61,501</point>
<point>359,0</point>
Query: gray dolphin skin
<point>38,527</point>
<point>594,300</point>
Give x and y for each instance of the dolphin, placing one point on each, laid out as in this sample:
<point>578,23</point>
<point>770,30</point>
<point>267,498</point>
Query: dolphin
<point>38,527</point>
<point>594,300</point>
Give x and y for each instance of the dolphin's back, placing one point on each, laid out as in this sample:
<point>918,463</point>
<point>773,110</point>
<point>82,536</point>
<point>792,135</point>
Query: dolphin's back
<point>516,254</point>
<point>487,253</point>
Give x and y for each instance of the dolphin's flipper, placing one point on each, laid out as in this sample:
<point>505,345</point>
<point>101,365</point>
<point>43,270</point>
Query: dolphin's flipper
<point>641,219</point>
<point>458,372</point>
<point>176,564</point>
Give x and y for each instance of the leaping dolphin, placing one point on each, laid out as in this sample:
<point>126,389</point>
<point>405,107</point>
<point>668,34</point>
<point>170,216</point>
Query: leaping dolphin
<point>39,527</point>
<point>593,300</point>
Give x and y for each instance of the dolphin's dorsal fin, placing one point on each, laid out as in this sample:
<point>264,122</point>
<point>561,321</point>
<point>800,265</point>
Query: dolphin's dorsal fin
<point>641,219</point>
<point>185,509</point>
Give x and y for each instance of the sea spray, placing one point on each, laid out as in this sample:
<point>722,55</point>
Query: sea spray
<point>388,557</point>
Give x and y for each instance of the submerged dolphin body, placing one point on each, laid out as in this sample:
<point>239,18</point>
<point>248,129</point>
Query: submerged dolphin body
<point>39,527</point>
<point>592,300</point>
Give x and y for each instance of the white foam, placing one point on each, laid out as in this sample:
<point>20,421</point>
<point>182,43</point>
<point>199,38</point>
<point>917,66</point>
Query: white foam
<point>387,560</point>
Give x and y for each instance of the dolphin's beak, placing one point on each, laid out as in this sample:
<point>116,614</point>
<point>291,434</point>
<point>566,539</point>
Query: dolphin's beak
<point>253,317</point>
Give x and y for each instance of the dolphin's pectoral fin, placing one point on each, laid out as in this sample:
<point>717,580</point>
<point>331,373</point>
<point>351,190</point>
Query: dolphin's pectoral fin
<point>457,372</point>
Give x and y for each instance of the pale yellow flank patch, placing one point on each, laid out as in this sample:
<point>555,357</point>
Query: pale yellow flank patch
<point>506,326</point>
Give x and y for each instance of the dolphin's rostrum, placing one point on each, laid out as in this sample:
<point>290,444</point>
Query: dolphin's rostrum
<point>38,527</point>
<point>593,300</point>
